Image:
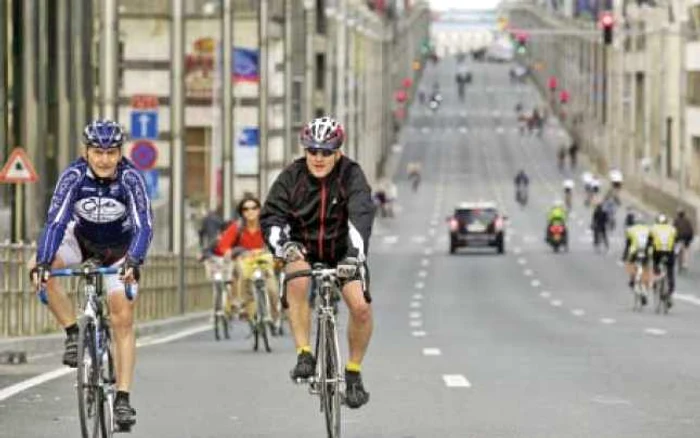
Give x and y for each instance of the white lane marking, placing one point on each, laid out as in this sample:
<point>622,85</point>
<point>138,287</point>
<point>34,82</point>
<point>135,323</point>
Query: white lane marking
<point>456,381</point>
<point>425,130</point>
<point>522,261</point>
<point>417,296</point>
<point>425,262</point>
<point>431,232</point>
<point>607,321</point>
<point>420,285</point>
<point>578,312</point>
<point>397,148</point>
<point>527,272</point>
<point>428,251</point>
<point>419,239</point>
<point>463,130</point>
<point>655,331</point>
<point>688,298</point>
<point>431,352</point>
<point>422,273</point>
<point>418,333</point>
<point>500,130</point>
<point>11,390</point>
<point>416,304</point>
<point>517,250</point>
<point>556,303</point>
<point>390,240</point>
<point>535,283</point>
<point>610,400</point>
<point>416,323</point>
<point>414,315</point>
<point>545,294</point>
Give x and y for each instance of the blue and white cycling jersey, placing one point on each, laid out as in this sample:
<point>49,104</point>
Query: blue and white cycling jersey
<point>105,213</point>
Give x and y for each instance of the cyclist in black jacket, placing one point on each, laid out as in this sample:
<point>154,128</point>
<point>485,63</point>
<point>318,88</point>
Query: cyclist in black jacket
<point>320,209</point>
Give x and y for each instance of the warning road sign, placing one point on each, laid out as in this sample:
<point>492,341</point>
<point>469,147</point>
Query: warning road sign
<point>18,168</point>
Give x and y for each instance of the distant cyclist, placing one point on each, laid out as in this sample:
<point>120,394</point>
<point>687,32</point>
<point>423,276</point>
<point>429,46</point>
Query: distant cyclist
<point>636,242</point>
<point>568,192</point>
<point>685,237</point>
<point>522,182</point>
<point>99,210</point>
<point>662,241</point>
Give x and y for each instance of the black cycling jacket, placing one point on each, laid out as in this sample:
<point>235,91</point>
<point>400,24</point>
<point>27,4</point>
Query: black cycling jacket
<point>332,217</point>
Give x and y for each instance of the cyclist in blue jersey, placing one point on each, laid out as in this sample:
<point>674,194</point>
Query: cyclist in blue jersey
<point>99,209</point>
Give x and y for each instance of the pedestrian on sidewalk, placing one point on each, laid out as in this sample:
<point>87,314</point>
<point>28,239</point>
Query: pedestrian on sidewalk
<point>685,231</point>
<point>599,223</point>
<point>573,154</point>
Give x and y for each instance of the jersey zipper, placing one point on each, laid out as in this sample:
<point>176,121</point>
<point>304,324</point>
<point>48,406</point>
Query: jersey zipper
<point>323,219</point>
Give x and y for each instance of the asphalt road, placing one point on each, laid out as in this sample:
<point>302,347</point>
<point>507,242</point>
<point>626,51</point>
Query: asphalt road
<point>526,344</point>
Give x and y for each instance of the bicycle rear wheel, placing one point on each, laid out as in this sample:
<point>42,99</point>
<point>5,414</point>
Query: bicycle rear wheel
<point>331,383</point>
<point>89,397</point>
<point>261,310</point>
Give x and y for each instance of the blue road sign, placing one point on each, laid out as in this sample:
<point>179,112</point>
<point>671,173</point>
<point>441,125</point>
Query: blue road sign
<point>144,154</point>
<point>144,125</point>
<point>151,178</point>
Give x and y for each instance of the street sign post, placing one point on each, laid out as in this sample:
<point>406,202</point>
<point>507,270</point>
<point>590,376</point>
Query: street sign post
<point>144,154</point>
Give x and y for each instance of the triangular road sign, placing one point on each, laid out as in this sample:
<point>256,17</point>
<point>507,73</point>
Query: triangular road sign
<point>18,168</point>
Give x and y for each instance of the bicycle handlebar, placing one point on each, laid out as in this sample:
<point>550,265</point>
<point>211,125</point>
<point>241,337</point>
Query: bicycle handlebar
<point>83,272</point>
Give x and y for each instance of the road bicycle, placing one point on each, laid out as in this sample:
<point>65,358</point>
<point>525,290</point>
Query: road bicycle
<point>661,287</point>
<point>261,265</point>
<point>640,289</point>
<point>96,379</point>
<point>220,272</point>
<point>328,381</point>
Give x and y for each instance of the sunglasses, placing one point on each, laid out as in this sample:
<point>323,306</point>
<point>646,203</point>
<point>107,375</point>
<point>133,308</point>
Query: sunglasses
<point>250,208</point>
<point>316,151</point>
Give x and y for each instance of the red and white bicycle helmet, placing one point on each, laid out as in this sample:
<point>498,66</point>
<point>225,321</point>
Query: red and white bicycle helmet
<point>322,133</point>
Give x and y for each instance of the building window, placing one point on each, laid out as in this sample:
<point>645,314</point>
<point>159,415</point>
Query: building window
<point>320,71</point>
<point>693,88</point>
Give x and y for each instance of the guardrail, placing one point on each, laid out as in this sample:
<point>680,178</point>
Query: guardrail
<point>22,314</point>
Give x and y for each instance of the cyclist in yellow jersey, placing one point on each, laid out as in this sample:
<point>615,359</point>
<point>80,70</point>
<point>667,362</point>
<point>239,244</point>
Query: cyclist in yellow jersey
<point>636,249</point>
<point>662,241</point>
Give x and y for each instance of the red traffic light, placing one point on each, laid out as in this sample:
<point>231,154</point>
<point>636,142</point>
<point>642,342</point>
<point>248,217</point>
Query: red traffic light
<point>607,20</point>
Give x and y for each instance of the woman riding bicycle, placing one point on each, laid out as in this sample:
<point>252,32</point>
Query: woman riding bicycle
<point>243,239</point>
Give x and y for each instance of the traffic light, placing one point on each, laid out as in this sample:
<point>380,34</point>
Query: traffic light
<point>606,23</point>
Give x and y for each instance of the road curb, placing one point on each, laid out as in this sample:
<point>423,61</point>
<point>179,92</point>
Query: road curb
<point>33,345</point>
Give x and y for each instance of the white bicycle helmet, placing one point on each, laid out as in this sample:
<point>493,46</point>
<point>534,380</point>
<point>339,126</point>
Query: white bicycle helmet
<point>569,184</point>
<point>322,133</point>
<point>615,176</point>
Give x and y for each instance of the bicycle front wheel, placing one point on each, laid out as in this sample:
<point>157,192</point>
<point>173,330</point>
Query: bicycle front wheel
<point>107,394</point>
<point>262,313</point>
<point>88,390</point>
<point>331,382</point>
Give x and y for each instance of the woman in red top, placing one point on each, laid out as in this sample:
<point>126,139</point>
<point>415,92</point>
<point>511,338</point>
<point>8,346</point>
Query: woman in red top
<point>246,235</point>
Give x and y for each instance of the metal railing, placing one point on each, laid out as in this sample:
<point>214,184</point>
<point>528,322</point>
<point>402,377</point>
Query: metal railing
<point>22,314</point>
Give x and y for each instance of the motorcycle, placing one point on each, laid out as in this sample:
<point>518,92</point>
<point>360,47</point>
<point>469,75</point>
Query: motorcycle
<point>556,236</point>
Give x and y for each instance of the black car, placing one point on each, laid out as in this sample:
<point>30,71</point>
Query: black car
<point>477,224</point>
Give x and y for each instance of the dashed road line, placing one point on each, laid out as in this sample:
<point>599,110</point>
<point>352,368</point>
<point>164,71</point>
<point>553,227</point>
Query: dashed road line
<point>391,239</point>
<point>418,333</point>
<point>578,312</point>
<point>425,262</point>
<point>556,303</point>
<point>545,294</point>
<point>456,381</point>
<point>431,352</point>
<point>688,298</point>
<point>420,285</point>
<point>414,315</point>
<point>416,323</point>
<point>423,273</point>
<point>517,250</point>
<point>535,283</point>
<point>416,304</point>
<point>607,321</point>
<point>522,261</point>
<point>527,272</point>
<point>655,331</point>
<point>428,251</point>
<point>417,296</point>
